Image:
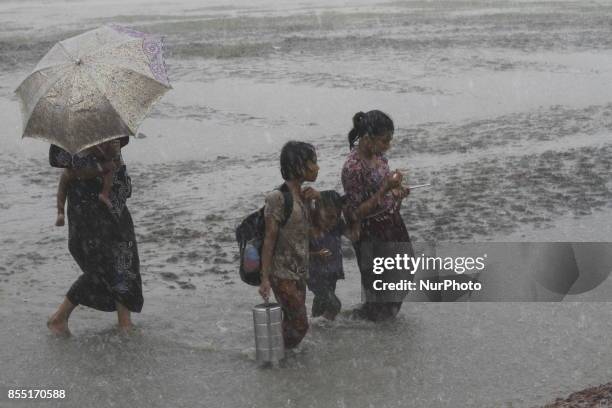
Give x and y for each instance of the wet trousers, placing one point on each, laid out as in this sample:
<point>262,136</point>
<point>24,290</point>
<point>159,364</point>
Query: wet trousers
<point>291,295</point>
<point>325,300</point>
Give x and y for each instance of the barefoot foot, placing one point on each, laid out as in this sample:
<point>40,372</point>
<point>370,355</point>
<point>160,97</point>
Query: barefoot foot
<point>58,326</point>
<point>60,220</point>
<point>126,329</point>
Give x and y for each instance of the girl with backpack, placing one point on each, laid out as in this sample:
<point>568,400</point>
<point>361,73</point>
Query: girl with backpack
<point>285,252</point>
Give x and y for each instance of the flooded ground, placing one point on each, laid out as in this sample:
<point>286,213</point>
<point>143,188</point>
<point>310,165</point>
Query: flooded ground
<point>503,107</point>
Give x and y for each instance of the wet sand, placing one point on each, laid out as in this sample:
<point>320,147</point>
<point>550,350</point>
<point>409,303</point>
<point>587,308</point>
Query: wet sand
<point>504,109</point>
<point>591,397</point>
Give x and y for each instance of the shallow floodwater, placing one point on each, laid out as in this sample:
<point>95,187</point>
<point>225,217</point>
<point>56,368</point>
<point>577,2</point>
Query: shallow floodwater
<point>504,108</point>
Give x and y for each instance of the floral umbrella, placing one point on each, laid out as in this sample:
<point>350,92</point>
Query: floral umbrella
<point>94,87</point>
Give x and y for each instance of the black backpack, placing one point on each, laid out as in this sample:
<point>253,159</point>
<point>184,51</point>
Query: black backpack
<point>250,236</point>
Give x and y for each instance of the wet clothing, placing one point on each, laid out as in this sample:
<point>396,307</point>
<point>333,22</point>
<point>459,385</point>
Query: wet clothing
<point>324,272</point>
<point>330,266</point>
<point>380,229</point>
<point>325,300</point>
<point>291,253</point>
<point>107,151</point>
<point>289,268</point>
<point>291,295</point>
<point>101,240</point>
<point>360,182</point>
<point>384,224</point>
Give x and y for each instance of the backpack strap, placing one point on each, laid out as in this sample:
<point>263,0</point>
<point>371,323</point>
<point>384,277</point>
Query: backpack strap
<point>288,206</point>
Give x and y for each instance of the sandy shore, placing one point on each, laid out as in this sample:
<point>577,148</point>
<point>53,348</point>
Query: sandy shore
<point>591,397</point>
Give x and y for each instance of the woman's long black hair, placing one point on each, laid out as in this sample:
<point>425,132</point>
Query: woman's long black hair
<point>374,123</point>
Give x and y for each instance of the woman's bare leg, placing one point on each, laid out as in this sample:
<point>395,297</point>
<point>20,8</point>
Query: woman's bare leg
<point>123,318</point>
<point>58,322</point>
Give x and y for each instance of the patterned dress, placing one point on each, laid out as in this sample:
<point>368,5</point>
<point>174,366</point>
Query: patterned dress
<point>101,241</point>
<point>290,260</point>
<point>383,225</point>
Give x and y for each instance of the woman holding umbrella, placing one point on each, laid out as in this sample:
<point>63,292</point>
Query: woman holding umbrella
<point>101,241</point>
<point>87,94</point>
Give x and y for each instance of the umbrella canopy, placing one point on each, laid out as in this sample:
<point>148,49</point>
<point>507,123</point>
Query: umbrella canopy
<point>94,87</point>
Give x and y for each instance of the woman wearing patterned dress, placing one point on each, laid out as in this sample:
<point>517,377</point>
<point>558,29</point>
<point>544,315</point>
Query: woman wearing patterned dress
<point>100,239</point>
<point>374,195</point>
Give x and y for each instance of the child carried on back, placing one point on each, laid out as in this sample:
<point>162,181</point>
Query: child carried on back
<point>107,158</point>
<point>325,266</point>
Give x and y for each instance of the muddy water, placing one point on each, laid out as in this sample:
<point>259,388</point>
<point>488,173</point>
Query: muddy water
<point>504,109</point>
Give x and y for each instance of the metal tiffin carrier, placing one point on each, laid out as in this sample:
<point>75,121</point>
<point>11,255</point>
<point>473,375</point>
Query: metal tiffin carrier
<point>269,344</point>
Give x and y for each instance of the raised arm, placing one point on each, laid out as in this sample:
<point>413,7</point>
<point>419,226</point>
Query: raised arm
<point>354,185</point>
<point>111,149</point>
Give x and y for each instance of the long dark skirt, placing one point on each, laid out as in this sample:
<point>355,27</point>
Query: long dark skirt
<point>385,228</point>
<point>103,244</point>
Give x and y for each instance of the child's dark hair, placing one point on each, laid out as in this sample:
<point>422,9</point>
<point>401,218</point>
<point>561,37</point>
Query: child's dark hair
<point>374,123</point>
<point>331,198</point>
<point>294,157</point>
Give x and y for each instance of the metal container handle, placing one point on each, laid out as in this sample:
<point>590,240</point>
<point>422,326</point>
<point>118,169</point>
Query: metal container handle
<point>269,328</point>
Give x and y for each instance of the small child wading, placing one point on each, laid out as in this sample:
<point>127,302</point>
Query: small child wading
<point>325,267</point>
